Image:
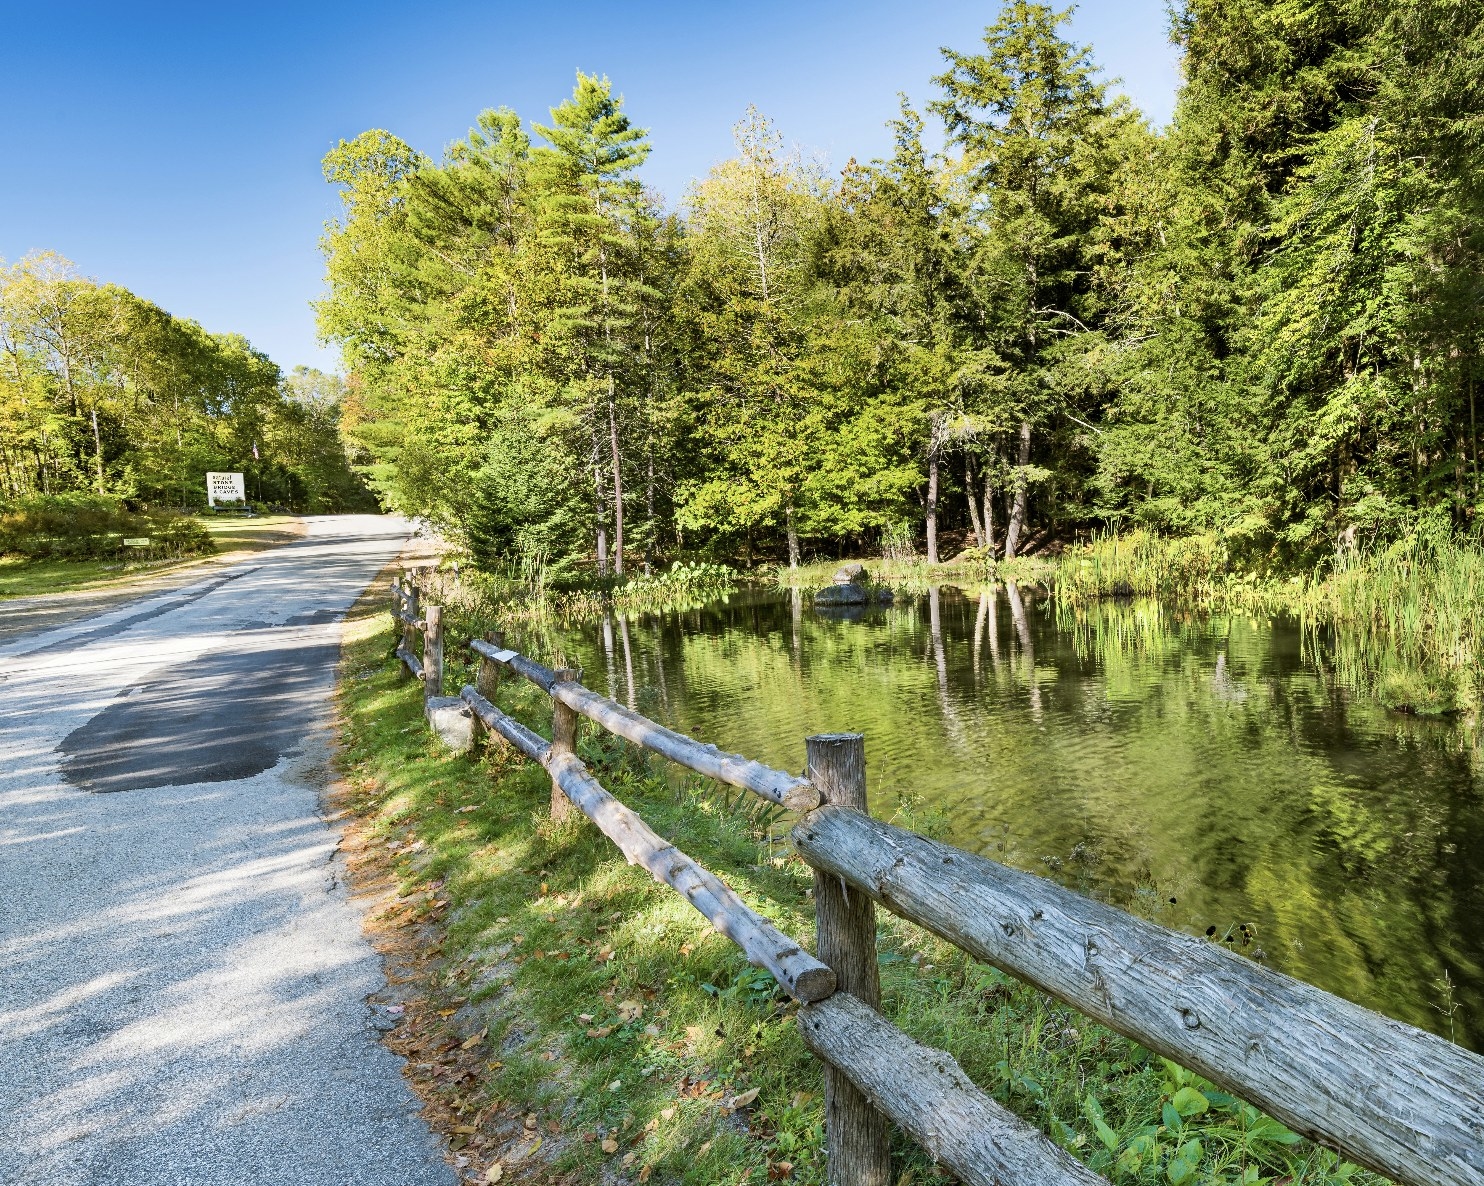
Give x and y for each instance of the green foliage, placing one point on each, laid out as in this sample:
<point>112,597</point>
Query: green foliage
<point>93,526</point>
<point>1260,324</point>
<point>103,391</point>
<point>683,583</point>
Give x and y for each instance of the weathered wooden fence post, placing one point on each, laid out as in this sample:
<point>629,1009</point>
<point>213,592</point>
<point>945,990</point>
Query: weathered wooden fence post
<point>487,681</point>
<point>855,1133</point>
<point>433,652</point>
<point>563,739</point>
<point>411,602</point>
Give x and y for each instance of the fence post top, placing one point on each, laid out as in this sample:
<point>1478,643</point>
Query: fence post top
<point>834,738</point>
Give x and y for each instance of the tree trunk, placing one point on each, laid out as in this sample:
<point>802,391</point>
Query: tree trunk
<point>617,482</point>
<point>932,497</point>
<point>600,510</point>
<point>793,540</point>
<point>98,450</point>
<point>969,488</point>
<point>649,506</point>
<point>1022,492</point>
<point>988,502</point>
<point>1474,437</point>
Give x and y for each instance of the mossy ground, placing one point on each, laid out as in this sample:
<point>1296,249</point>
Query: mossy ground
<point>575,1022</point>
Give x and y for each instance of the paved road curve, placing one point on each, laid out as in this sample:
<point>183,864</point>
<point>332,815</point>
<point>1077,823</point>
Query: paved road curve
<point>182,982</point>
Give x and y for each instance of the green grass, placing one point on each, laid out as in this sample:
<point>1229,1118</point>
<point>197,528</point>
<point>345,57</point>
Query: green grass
<point>20,577</point>
<point>32,578</point>
<point>914,574</point>
<point>1404,618</point>
<point>650,1045</point>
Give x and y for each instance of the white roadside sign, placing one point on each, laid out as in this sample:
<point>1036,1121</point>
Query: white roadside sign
<point>224,487</point>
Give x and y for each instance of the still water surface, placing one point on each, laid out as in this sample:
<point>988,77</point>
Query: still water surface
<point>1205,771</point>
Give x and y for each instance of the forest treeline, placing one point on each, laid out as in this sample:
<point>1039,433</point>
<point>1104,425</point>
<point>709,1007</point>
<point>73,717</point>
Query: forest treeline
<point>106,394</point>
<point>1262,322</point>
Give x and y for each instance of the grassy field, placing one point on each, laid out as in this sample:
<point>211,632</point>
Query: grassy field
<point>575,1022</point>
<point>34,578</point>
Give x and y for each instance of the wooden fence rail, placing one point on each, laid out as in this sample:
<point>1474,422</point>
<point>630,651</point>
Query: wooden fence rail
<point>1389,1096</point>
<point>1397,1099</point>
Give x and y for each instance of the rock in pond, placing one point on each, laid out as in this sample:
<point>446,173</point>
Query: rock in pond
<point>853,594</point>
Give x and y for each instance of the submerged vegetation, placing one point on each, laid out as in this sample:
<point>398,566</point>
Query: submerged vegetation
<point>637,1042</point>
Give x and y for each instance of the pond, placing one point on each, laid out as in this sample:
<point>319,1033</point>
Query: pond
<point>1205,771</point>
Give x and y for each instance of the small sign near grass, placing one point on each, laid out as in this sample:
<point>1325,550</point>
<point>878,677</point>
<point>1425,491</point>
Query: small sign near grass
<point>141,542</point>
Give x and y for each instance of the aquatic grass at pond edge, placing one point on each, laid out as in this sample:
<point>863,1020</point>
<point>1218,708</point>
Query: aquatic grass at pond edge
<point>537,908</point>
<point>1403,621</point>
<point>523,595</point>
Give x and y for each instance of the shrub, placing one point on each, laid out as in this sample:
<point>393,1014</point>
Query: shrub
<point>92,527</point>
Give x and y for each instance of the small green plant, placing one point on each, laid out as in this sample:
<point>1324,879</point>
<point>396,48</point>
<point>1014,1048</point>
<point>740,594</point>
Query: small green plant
<point>683,584</point>
<point>899,541</point>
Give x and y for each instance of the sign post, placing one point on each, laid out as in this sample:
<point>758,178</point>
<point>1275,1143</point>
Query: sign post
<point>223,486</point>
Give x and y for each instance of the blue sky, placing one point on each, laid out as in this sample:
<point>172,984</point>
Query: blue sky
<point>175,148</point>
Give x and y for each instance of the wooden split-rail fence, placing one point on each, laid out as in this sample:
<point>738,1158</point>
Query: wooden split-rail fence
<point>1396,1099</point>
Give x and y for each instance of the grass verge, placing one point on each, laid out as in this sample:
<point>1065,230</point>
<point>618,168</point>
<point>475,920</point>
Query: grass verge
<point>20,577</point>
<point>568,1020</point>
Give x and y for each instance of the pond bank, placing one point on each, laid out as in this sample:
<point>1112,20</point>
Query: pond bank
<point>642,1047</point>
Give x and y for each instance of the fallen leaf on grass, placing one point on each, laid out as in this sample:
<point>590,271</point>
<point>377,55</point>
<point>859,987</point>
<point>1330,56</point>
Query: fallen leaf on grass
<point>704,1149</point>
<point>494,1173</point>
<point>471,807</point>
<point>610,1145</point>
<point>668,1113</point>
<point>600,1033</point>
<point>741,1101</point>
<point>474,1040</point>
<point>522,1154</point>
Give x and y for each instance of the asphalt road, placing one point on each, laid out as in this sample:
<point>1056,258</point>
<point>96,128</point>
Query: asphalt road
<point>183,982</point>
